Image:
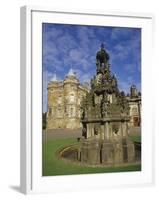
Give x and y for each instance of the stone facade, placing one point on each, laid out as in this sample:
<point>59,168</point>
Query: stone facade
<point>64,101</point>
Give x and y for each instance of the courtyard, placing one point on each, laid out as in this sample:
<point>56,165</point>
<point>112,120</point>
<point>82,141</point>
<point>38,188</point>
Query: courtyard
<point>54,140</point>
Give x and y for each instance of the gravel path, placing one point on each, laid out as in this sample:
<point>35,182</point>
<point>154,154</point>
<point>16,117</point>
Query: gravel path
<point>61,133</point>
<point>76,133</point>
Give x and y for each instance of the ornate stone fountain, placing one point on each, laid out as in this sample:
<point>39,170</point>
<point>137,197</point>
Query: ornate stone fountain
<point>105,117</point>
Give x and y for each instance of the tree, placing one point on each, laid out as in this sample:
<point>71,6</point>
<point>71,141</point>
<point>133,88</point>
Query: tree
<point>44,120</point>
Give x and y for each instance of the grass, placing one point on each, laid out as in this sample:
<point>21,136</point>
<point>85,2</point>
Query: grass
<point>135,138</point>
<point>52,165</point>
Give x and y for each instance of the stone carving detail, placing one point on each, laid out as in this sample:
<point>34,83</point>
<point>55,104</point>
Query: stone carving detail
<point>102,85</point>
<point>105,106</point>
<point>115,128</point>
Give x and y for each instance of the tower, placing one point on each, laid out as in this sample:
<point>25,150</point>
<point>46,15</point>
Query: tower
<point>133,91</point>
<point>71,85</point>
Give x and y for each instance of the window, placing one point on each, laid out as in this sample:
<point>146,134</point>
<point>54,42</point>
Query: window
<point>59,100</point>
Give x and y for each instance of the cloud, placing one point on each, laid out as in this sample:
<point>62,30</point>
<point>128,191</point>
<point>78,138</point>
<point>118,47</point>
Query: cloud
<point>124,85</point>
<point>76,55</point>
<point>120,32</point>
<point>129,67</point>
<point>71,46</point>
<point>82,76</point>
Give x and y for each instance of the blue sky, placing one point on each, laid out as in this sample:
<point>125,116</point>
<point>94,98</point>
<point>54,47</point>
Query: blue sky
<point>75,46</point>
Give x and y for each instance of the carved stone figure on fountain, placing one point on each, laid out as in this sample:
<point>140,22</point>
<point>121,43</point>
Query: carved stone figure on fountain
<point>104,105</point>
<point>98,80</point>
<point>102,60</point>
<point>123,103</point>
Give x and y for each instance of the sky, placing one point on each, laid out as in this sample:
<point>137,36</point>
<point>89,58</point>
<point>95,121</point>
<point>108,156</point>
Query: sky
<point>75,46</point>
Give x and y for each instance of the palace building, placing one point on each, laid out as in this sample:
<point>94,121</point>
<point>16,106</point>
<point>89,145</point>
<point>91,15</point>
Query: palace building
<point>64,103</point>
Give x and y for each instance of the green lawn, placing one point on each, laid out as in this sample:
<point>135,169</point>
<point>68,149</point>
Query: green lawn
<point>135,138</point>
<point>52,165</point>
